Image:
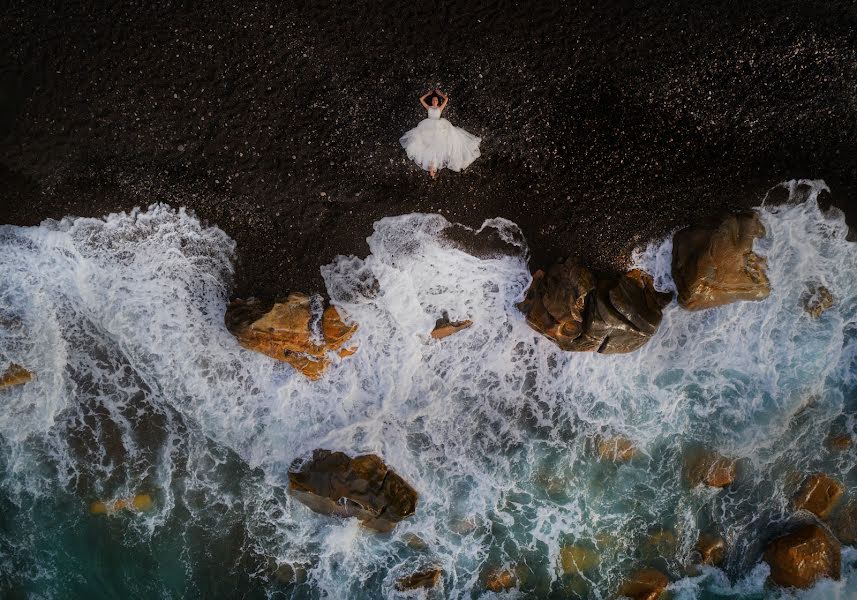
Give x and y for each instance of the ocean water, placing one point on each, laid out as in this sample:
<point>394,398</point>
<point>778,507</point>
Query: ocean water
<point>140,389</point>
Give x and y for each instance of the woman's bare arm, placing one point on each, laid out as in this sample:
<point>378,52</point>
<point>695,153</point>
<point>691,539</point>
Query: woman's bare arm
<point>423,99</point>
<point>445,98</point>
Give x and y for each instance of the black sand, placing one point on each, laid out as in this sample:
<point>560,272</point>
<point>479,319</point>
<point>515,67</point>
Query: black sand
<point>603,127</point>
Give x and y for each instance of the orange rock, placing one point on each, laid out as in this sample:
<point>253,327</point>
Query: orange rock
<point>616,449</point>
<point>645,584</point>
<point>444,327</point>
<point>15,375</point>
<point>840,441</point>
<point>818,494</point>
<point>138,503</point>
<point>816,300</point>
<point>284,330</point>
<point>577,559</point>
<point>714,264</point>
<point>427,579</point>
<point>498,580</point>
<point>801,557</point>
<point>709,468</point>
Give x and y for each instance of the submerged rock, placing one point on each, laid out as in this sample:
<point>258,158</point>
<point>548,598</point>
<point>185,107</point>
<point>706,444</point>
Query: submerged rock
<point>577,559</point>
<point>294,331</point>
<point>839,441</point>
<point>498,580</point>
<point>138,503</point>
<point>844,524</point>
<point>615,449</point>
<point>711,550</point>
<point>361,487</point>
<point>15,375</point>
<point>817,300</point>
<point>444,327</point>
<point>714,264</point>
<point>581,313</point>
<point>645,584</point>
<point>427,579</point>
<point>709,468</point>
<point>801,557</point>
<point>819,495</point>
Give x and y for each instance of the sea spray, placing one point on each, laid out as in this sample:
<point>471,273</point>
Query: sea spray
<point>141,389</point>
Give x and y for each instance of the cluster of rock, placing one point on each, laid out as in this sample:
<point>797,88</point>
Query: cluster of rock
<point>295,330</point>
<point>362,487</point>
<point>582,312</point>
<point>713,264</point>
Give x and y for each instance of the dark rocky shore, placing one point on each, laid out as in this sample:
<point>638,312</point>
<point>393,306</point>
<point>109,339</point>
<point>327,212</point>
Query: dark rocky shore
<point>603,127</point>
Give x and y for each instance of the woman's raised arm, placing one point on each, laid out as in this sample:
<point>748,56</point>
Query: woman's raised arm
<point>445,98</point>
<point>423,99</point>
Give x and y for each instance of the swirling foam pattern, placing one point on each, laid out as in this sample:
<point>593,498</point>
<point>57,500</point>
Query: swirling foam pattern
<point>140,388</point>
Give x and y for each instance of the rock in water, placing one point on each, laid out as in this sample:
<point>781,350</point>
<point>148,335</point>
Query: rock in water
<point>709,468</point>
<point>577,559</point>
<point>138,503</point>
<point>616,449</point>
<point>817,300</point>
<point>711,549</point>
<point>581,313</point>
<point>498,580</point>
<point>646,584</point>
<point>715,264</point>
<point>15,375</point>
<point>819,494</point>
<point>427,579</point>
<point>801,557</point>
<point>361,487</point>
<point>443,327</point>
<point>293,331</point>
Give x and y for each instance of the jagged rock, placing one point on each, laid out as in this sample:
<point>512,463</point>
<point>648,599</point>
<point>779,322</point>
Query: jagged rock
<point>615,449</point>
<point>138,503</point>
<point>581,313</point>
<point>709,468</point>
<point>818,494</point>
<point>15,375</point>
<point>361,487</point>
<point>714,264</point>
<point>711,549</point>
<point>444,327</point>
<point>577,559</point>
<point>801,557</point>
<point>645,584</point>
<point>294,331</point>
<point>427,579</point>
<point>817,300</point>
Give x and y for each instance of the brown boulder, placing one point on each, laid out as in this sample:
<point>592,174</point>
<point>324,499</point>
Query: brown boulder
<point>818,494</point>
<point>295,331</point>
<point>839,441</point>
<point>427,579</point>
<point>801,557</point>
<point>711,549</point>
<point>577,559</point>
<point>714,264</point>
<point>15,375</point>
<point>709,468</point>
<point>581,313</point>
<point>444,327</point>
<point>615,449</point>
<point>361,487</point>
<point>817,300</point>
<point>498,580</point>
<point>645,584</point>
<point>844,523</point>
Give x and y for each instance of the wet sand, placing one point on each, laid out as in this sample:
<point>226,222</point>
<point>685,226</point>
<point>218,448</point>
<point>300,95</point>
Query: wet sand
<point>602,127</point>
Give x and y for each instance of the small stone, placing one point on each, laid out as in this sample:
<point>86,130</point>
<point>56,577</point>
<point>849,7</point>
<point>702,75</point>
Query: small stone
<point>817,300</point>
<point>444,327</point>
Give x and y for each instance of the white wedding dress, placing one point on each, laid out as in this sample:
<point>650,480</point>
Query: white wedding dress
<point>436,142</point>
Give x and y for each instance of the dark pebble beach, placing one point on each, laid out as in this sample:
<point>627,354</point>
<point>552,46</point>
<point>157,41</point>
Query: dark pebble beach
<point>604,125</point>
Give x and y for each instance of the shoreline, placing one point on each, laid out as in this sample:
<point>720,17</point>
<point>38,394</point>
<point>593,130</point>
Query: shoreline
<point>602,128</point>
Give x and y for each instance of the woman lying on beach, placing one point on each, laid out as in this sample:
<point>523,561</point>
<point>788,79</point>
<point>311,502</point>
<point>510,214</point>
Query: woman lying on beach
<point>436,144</point>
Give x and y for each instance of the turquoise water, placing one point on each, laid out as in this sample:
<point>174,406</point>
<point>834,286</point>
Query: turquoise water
<point>141,390</point>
